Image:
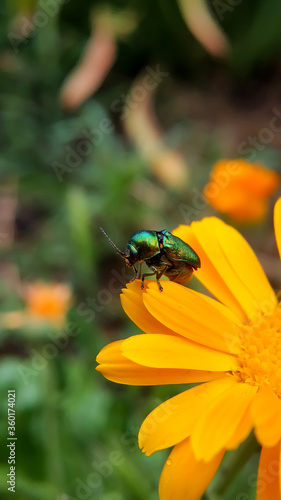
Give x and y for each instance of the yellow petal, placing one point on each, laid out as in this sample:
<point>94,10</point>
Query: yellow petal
<point>268,482</point>
<point>230,315</point>
<point>235,262</point>
<point>190,314</point>
<point>174,420</point>
<point>115,367</point>
<point>245,265</point>
<point>266,411</point>
<point>230,269</point>
<point>277,224</point>
<point>132,303</point>
<point>183,477</point>
<point>208,274</point>
<point>219,422</point>
<point>167,351</point>
<point>242,430</point>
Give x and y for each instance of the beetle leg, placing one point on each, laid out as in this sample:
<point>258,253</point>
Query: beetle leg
<point>147,274</point>
<point>139,273</point>
<point>158,276</point>
<point>136,274</point>
<point>159,284</point>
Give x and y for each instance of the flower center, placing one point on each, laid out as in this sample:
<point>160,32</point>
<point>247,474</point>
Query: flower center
<point>260,354</point>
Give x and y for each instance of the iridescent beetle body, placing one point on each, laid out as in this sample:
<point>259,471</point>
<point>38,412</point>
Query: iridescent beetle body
<point>164,253</point>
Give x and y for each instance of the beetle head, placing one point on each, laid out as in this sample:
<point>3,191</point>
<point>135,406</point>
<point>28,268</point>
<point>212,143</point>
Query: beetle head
<point>131,256</point>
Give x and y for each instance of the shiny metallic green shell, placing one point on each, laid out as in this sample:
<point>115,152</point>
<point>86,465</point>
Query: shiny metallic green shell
<point>143,243</point>
<point>163,253</point>
<point>177,249</point>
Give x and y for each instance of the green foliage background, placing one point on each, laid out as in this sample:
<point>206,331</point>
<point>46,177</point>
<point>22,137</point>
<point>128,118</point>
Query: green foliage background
<point>77,433</point>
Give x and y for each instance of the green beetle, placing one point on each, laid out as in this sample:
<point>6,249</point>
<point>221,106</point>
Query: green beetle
<point>164,253</point>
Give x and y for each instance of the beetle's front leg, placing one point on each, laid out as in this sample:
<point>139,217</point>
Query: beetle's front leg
<point>139,273</point>
<point>136,274</point>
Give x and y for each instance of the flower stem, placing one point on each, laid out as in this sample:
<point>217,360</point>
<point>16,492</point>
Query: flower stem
<point>231,466</point>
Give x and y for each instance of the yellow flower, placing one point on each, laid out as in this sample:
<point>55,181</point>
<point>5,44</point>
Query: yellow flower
<point>241,189</point>
<point>44,302</point>
<point>232,344</point>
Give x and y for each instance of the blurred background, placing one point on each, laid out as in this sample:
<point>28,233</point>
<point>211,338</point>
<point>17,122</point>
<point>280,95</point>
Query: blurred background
<point>116,114</point>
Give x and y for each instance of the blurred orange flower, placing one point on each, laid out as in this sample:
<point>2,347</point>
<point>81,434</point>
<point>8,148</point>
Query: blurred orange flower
<point>44,302</point>
<point>47,301</point>
<point>241,189</point>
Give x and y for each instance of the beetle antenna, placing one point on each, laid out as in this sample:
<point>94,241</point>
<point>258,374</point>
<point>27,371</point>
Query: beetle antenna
<point>113,244</point>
